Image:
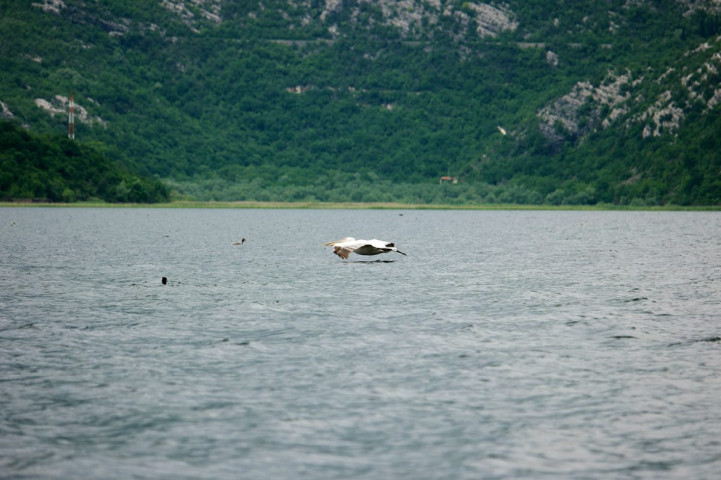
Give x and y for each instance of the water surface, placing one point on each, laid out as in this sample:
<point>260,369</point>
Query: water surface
<point>507,344</point>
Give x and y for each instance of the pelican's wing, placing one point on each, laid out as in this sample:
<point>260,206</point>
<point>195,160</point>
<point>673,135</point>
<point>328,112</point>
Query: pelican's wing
<point>381,246</point>
<point>369,249</point>
<point>344,240</point>
<point>372,247</point>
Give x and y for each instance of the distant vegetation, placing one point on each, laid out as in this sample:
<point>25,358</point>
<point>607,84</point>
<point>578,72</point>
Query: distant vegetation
<point>271,105</point>
<point>56,169</point>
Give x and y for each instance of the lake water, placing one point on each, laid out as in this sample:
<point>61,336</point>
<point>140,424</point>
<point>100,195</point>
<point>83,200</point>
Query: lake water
<point>506,344</point>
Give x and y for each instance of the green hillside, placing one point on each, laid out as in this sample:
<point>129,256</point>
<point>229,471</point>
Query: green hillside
<point>527,101</point>
<point>56,169</point>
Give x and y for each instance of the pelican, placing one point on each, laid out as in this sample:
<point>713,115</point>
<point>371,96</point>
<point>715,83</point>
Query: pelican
<point>344,247</point>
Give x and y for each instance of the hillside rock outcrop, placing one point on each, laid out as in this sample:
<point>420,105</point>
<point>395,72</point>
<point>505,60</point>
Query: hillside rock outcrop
<point>585,108</point>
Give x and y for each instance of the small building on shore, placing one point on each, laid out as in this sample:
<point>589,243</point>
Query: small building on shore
<point>449,179</point>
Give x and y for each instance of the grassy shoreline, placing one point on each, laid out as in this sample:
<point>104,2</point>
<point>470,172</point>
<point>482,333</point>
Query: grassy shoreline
<point>355,206</point>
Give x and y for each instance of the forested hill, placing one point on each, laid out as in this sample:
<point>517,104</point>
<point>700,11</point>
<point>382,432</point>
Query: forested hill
<point>55,169</point>
<point>526,101</point>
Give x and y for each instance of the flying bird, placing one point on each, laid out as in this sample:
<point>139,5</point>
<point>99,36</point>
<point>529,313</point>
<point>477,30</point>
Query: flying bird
<point>502,130</point>
<point>344,247</point>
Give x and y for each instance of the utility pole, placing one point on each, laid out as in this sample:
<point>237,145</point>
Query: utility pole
<point>71,117</point>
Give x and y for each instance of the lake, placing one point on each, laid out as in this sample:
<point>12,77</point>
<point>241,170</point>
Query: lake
<point>506,344</point>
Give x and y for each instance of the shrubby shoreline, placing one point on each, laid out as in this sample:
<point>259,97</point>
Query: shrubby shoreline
<point>353,206</point>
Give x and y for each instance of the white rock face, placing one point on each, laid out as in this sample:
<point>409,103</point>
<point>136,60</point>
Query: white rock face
<point>697,82</point>
<point>59,105</point>
<point>411,15</point>
<point>5,111</point>
<point>209,9</point>
<point>491,20</point>
<point>552,58</point>
<point>711,6</point>
<point>565,111</point>
<point>664,114</point>
<point>703,89</point>
<point>331,6</point>
<point>53,6</point>
<point>672,93</point>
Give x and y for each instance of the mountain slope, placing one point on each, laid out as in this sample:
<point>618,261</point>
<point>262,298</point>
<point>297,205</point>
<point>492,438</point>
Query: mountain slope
<point>613,102</point>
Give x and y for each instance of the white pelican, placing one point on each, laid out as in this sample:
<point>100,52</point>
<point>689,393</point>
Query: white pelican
<point>344,247</point>
<point>502,130</point>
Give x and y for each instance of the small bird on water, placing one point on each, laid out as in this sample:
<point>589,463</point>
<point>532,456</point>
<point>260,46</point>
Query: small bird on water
<point>344,247</point>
